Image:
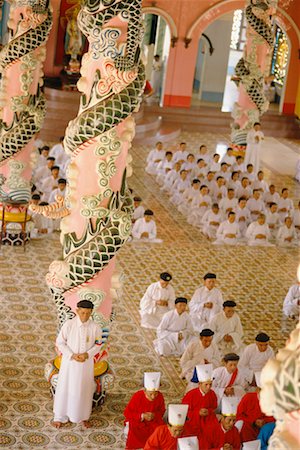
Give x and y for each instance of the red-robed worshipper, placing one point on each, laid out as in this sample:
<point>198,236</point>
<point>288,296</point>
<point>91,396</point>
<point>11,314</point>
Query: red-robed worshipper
<point>202,402</point>
<point>224,435</point>
<point>251,415</point>
<point>144,412</point>
<point>165,437</point>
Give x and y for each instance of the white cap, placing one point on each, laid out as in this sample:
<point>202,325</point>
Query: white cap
<point>177,414</point>
<point>229,406</point>
<point>257,379</point>
<point>204,372</point>
<point>188,443</point>
<point>252,445</point>
<point>152,381</point>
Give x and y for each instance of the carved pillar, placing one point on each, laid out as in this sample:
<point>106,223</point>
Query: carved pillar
<point>252,69</point>
<point>22,104</point>
<point>98,203</point>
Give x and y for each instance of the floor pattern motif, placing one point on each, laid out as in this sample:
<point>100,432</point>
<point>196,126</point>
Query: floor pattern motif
<point>256,278</point>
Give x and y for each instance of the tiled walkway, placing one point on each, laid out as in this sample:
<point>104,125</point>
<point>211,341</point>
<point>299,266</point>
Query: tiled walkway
<point>256,278</point>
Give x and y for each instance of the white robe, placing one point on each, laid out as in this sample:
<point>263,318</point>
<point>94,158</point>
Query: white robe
<point>225,228</point>
<point>169,180</point>
<point>286,203</point>
<point>195,354</point>
<point>255,205</point>
<point>141,226</point>
<point>243,218</point>
<point>47,186</point>
<point>273,221</point>
<point>178,189</point>
<point>271,198</point>
<point>218,193</point>
<point>180,155</point>
<point>58,152</point>
<point>207,220</point>
<point>244,192</point>
<point>253,149</point>
<point>152,314</point>
<point>253,230</point>
<point>230,160</point>
<point>167,343</point>
<point>214,166</point>
<point>153,158</point>
<point>41,223</point>
<point>261,185</point>
<point>199,206</point>
<point>201,315</point>
<point>283,233</point>
<point>138,213</point>
<point>227,204</point>
<point>253,359</point>
<point>75,388</point>
<point>290,304</point>
<point>222,325</point>
<point>187,198</point>
<point>221,379</point>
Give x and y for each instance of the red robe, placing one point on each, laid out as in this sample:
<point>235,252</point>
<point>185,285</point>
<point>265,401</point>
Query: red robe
<point>249,411</point>
<point>139,430</point>
<point>161,439</point>
<point>215,437</point>
<point>196,424</point>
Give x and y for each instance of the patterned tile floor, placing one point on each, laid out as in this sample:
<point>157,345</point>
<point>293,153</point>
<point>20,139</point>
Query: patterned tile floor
<point>257,278</point>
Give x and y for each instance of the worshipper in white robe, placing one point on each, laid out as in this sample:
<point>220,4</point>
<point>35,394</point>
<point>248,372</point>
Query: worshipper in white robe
<point>219,191</point>
<point>200,170</point>
<point>163,167</point>
<point>287,234</point>
<point>43,226</point>
<point>255,356</point>
<point>285,205</point>
<point>210,221</point>
<point>258,233</point>
<point>244,190</point>
<point>43,172</point>
<point>188,196</point>
<point>256,205</point>
<point>250,174</point>
<point>42,158</point>
<point>199,206</point>
<point>156,75</point>
<point>158,299</point>
<point>154,157</point>
<point>189,164</point>
<point>210,181</point>
<point>224,172</point>
<point>242,215</point>
<point>203,154</point>
<point>202,350</point>
<point>229,380</point>
<point>215,166</point>
<point>58,152</point>
<point>296,219</point>
<point>239,165</point>
<point>181,154</point>
<point>229,158</point>
<point>291,303</point>
<point>171,177</point>
<point>59,192</point>
<point>175,331</point>
<point>260,183</point>
<point>206,302</point>
<point>145,229</point>
<point>271,196</point>
<point>253,150</point>
<point>179,186</point>
<point>50,183</point>
<point>228,329</point>
<point>79,341</point>
<point>228,203</point>
<point>234,182</point>
<point>273,220</point>
<point>139,210</point>
<point>228,232</point>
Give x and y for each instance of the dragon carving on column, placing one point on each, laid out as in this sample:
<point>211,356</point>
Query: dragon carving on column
<point>98,205</point>
<point>22,103</point>
<point>252,69</point>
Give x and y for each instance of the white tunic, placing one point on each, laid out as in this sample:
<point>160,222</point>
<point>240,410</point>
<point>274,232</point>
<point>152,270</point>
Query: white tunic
<point>273,221</point>
<point>226,204</point>
<point>170,180</point>
<point>232,326</point>
<point>138,213</point>
<point>287,204</point>
<point>187,198</point>
<point>283,233</point>
<point>167,342</point>
<point>226,228</point>
<point>253,359</point>
<point>260,184</point>
<point>230,160</point>
<point>55,192</point>
<point>180,155</point>
<point>254,229</point>
<point>200,314</point>
<point>218,192</point>
<point>152,314</point>
<point>271,198</point>
<point>253,149</point>
<point>178,188</point>
<point>58,152</point>
<point>141,226</point>
<point>153,158</point>
<point>210,223</point>
<point>47,186</point>
<point>291,306</point>
<point>243,218</point>
<point>75,388</point>
<point>214,166</point>
<point>221,379</point>
<point>195,354</point>
<point>255,207</point>
<point>244,192</point>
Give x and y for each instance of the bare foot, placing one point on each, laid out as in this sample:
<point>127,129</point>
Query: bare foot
<point>56,424</point>
<point>86,423</point>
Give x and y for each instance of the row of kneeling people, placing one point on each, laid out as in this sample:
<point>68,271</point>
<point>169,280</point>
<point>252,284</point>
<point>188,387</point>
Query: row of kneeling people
<point>201,421</point>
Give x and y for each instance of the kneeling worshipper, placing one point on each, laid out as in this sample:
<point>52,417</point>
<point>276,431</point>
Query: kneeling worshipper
<point>287,234</point>
<point>79,340</point>
<point>229,380</point>
<point>258,232</point>
<point>165,437</point>
<point>202,402</point>
<point>188,443</point>
<point>228,329</point>
<point>144,412</point>
<point>228,232</point>
<point>205,303</point>
<point>250,418</point>
<point>145,229</point>
<point>200,351</point>
<point>175,331</point>
<point>158,299</point>
<point>224,435</point>
<point>256,355</point>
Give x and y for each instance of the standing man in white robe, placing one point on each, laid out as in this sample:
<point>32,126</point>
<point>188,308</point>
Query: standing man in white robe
<point>200,351</point>
<point>79,341</point>
<point>158,299</point>
<point>256,355</point>
<point>205,303</point>
<point>145,229</point>
<point>175,331</point>
<point>253,150</point>
<point>228,329</point>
